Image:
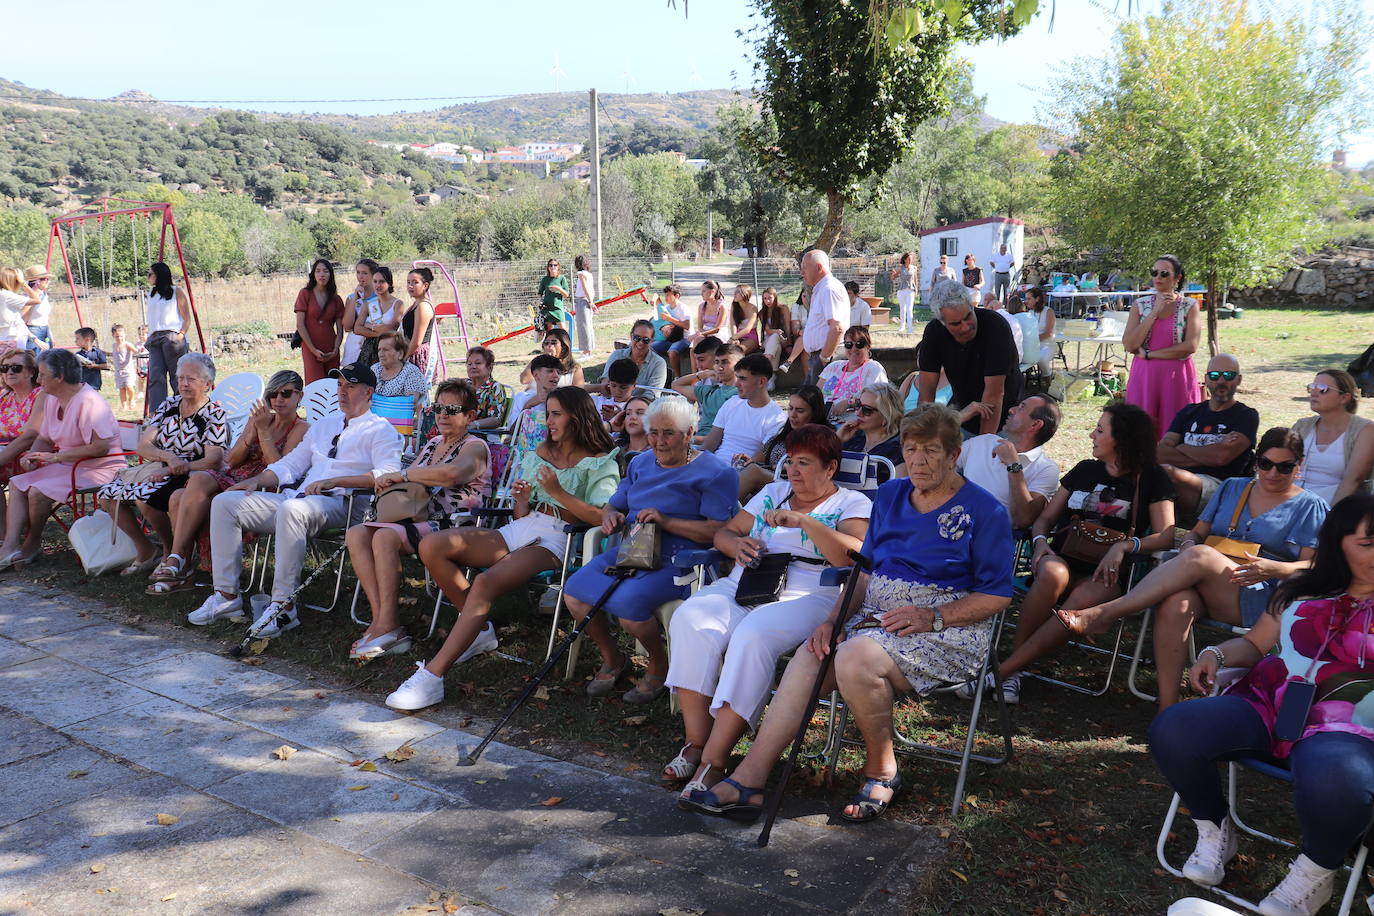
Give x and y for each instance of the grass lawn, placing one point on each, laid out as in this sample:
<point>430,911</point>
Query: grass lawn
<point>1067,828</point>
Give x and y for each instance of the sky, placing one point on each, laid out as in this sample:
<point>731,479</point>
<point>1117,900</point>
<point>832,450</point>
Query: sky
<point>285,49</point>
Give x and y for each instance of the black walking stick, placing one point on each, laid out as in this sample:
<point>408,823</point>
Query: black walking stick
<point>620,576</point>
<point>846,598</point>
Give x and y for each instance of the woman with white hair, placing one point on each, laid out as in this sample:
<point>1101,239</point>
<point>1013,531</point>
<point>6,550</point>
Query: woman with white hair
<point>188,433</point>
<point>689,495</point>
<point>876,424</point>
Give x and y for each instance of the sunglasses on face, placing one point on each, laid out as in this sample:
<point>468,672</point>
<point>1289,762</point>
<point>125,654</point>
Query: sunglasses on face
<point>449,410</point>
<point>1161,273</point>
<point>852,344</point>
<point>280,393</point>
<point>640,338</point>
<point>1283,467</point>
<point>17,367</point>
<point>1215,374</point>
<point>866,411</point>
<point>1318,389</point>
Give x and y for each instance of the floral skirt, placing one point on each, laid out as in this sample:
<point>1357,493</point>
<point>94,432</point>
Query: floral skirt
<point>927,660</point>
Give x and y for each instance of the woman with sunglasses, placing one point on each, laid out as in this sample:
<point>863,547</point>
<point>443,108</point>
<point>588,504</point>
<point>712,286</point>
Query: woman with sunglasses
<point>1162,330</point>
<point>874,429</point>
<point>18,425</point>
<point>1339,445</point>
<point>842,381</point>
<point>1269,510</point>
<point>554,292</point>
<point>274,428</point>
<point>456,468</point>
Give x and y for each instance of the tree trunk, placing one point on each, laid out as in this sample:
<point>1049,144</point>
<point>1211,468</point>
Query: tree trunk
<point>834,217</point>
<point>1213,345</point>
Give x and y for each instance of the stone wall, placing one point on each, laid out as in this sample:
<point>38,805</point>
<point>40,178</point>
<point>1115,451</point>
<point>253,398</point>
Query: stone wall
<point>1341,278</point>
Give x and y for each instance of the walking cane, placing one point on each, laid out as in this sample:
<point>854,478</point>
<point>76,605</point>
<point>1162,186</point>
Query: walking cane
<point>775,802</point>
<point>620,576</point>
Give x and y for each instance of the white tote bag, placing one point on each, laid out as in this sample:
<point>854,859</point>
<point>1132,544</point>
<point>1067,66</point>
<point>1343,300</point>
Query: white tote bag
<point>101,546</point>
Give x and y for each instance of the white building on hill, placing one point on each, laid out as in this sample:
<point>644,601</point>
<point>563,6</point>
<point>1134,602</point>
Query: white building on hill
<point>980,237</point>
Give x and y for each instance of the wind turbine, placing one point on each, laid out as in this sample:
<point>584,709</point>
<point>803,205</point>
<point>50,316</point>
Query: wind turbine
<point>694,76</point>
<point>556,72</point>
<point>629,77</point>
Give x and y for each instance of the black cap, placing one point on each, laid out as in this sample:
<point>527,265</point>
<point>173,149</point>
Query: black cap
<point>355,373</point>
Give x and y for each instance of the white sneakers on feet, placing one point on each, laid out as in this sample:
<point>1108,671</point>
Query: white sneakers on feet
<point>485,642</point>
<point>216,607</point>
<point>1305,890</point>
<point>1215,847</point>
<point>1011,688</point>
<point>280,619</point>
<point>421,689</point>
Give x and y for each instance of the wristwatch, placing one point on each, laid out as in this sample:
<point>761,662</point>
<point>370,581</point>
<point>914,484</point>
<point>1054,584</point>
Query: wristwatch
<point>1015,468</point>
<point>937,622</point>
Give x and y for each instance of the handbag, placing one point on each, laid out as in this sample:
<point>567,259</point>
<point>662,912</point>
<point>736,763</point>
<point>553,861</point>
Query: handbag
<point>1089,541</point>
<point>1230,547</point>
<point>765,582</point>
<point>100,545</point>
<point>641,547</point>
<point>407,501</point>
<point>295,341</point>
<point>142,473</point>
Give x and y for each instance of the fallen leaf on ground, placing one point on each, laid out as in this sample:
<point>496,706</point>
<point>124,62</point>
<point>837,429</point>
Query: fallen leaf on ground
<point>97,868</point>
<point>395,796</point>
<point>542,693</point>
<point>253,660</point>
<point>77,774</point>
<point>404,752</point>
<point>171,896</point>
<point>356,788</point>
<point>167,820</point>
<point>368,767</point>
<point>284,752</point>
<point>792,873</point>
<point>960,875</point>
<point>258,645</point>
<point>318,694</point>
<point>450,905</point>
<point>551,801</point>
<point>1060,895</point>
<point>634,720</point>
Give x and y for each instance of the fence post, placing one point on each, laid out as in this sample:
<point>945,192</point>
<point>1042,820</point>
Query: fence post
<point>754,262</point>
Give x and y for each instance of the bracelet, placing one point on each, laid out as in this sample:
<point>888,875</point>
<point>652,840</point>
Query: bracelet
<point>1135,545</point>
<point>1221,656</point>
<point>1040,537</point>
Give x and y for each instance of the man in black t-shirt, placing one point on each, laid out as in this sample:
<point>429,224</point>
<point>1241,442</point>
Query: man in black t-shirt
<point>1209,442</point>
<point>975,349</point>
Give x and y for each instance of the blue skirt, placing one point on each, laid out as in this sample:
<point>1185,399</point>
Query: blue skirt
<point>634,599</point>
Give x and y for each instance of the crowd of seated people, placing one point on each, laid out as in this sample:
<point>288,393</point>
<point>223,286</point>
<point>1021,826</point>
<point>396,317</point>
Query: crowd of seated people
<point>1264,533</point>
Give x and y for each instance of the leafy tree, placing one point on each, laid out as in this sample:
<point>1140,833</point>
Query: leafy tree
<point>1016,166</point>
<point>847,107</point>
<point>23,236</point>
<point>644,137</point>
<point>1202,135</point>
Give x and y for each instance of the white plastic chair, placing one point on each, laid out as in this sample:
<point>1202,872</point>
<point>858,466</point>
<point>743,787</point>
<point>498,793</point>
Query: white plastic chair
<point>237,394</point>
<point>321,398</point>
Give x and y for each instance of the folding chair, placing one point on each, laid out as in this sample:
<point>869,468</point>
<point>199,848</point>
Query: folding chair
<point>237,394</point>
<point>839,718</point>
<point>321,398</point>
<point>355,503</point>
<point>1352,884</point>
<point>1146,618</point>
<point>859,471</point>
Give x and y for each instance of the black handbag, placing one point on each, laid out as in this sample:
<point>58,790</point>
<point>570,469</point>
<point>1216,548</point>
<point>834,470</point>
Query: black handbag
<point>764,583</point>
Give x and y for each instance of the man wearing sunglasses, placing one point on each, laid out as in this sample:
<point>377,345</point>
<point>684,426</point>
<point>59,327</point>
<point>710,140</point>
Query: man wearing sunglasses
<point>1209,442</point>
<point>343,451</point>
<point>653,370</point>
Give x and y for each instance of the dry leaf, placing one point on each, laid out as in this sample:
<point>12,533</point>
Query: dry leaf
<point>792,873</point>
<point>542,693</point>
<point>97,868</point>
<point>551,801</point>
<point>77,774</point>
<point>257,646</point>
<point>1060,895</point>
<point>404,752</point>
<point>450,906</point>
<point>167,820</point>
<point>960,875</point>
<point>253,660</point>
<point>368,767</point>
<point>356,788</point>
<point>171,896</point>
<point>284,752</point>
<point>357,763</point>
<point>634,720</point>
<point>395,796</point>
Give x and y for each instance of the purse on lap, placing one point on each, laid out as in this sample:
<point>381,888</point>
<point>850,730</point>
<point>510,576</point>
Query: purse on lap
<point>1230,547</point>
<point>641,547</point>
<point>764,583</point>
<point>1089,541</point>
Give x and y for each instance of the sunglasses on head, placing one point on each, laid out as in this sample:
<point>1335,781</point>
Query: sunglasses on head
<point>866,411</point>
<point>15,367</point>
<point>640,338</point>
<point>449,410</point>
<point>280,393</point>
<point>851,344</point>
<point>1318,389</point>
<point>1161,273</point>
<point>1214,374</point>
<point>1283,467</point>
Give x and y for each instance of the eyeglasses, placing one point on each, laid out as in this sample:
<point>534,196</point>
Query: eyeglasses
<point>280,393</point>
<point>640,338</point>
<point>17,367</point>
<point>1215,374</point>
<point>1318,389</point>
<point>1283,467</point>
<point>866,411</point>
<point>449,410</point>
<point>1161,273</point>
<point>852,344</point>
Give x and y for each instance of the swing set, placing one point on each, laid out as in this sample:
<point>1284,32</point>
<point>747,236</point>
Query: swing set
<point>99,223</point>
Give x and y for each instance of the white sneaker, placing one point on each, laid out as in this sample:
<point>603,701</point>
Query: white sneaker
<point>1305,890</point>
<point>281,620</point>
<point>1215,847</point>
<point>965,690</point>
<point>1011,689</point>
<point>216,607</point>
<point>421,689</point>
<point>485,642</point>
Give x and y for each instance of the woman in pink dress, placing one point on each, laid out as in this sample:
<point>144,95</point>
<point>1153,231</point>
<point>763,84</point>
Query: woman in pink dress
<point>78,425</point>
<point>1162,331</point>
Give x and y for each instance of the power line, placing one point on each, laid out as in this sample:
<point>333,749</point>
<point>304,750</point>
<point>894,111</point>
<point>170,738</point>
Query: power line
<point>141,101</point>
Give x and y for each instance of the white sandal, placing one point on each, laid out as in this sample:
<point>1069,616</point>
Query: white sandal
<point>680,767</point>
<point>698,781</point>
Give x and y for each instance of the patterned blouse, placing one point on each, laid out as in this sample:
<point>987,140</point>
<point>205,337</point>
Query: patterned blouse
<point>15,412</point>
<point>448,500</point>
<point>491,399</point>
<point>185,437</point>
<point>410,380</point>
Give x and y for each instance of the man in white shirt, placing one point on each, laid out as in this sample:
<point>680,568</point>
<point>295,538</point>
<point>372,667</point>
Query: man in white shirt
<point>825,320</point>
<point>745,422</point>
<point>1013,466</point>
<point>1003,263</point>
<point>344,451</point>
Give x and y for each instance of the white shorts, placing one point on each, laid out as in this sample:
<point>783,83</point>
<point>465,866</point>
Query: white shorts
<point>539,529</point>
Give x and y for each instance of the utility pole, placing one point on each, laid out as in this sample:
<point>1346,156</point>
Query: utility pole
<point>596,195</point>
<point>710,235</point>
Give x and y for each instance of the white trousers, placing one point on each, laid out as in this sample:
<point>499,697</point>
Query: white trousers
<point>292,520</point>
<point>730,653</point>
<point>906,298</point>
<point>583,324</point>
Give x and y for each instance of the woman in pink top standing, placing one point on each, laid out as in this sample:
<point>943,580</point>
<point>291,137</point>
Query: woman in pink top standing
<point>1162,331</point>
<point>77,425</point>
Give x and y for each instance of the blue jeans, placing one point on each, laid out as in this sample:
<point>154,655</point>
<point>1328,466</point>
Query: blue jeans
<point>41,332</point>
<point>1333,772</point>
<point>664,347</point>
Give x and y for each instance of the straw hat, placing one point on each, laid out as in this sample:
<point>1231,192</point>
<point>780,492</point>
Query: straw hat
<point>35,273</point>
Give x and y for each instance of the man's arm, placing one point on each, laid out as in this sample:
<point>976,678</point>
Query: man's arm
<point>685,385</point>
<point>832,339</point>
<point>994,389</point>
<point>1023,505</point>
<point>1167,451</point>
<point>1231,447</point>
<point>712,440</point>
<point>926,383</point>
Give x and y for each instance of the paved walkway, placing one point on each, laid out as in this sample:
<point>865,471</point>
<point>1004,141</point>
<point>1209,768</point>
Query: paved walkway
<point>110,730</point>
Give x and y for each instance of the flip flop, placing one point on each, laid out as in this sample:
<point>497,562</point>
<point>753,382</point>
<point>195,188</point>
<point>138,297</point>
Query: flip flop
<point>704,801</point>
<point>869,807</point>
